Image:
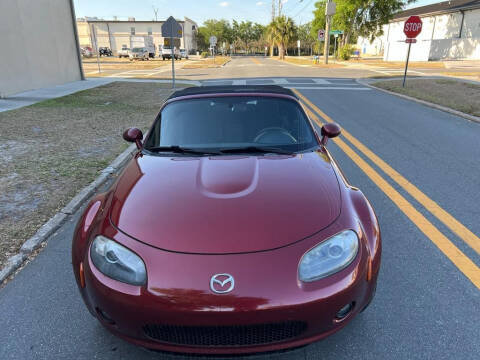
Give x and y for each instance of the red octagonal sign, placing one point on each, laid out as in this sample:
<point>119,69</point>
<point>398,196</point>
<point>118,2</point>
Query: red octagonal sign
<point>412,27</point>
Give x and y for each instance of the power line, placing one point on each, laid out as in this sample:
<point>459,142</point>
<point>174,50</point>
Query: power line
<point>303,9</point>
<point>292,6</point>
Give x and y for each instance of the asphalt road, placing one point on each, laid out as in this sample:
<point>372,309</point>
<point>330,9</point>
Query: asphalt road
<point>242,66</point>
<point>426,307</point>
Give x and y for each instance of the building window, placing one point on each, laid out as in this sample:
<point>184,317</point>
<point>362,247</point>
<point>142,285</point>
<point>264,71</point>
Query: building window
<point>149,31</point>
<point>132,31</point>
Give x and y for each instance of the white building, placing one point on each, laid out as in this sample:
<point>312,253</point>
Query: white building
<point>38,45</point>
<point>114,34</point>
<point>451,30</point>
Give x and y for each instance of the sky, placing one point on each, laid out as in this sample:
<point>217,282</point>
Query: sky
<point>200,10</point>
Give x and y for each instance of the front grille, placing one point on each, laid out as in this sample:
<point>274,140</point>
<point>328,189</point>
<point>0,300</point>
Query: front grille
<point>217,336</point>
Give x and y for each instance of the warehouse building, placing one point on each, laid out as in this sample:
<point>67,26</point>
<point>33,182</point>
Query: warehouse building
<point>115,33</point>
<point>38,45</point>
<point>451,30</point>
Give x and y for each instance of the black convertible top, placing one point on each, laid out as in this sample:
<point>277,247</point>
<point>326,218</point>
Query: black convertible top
<point>197,90</point>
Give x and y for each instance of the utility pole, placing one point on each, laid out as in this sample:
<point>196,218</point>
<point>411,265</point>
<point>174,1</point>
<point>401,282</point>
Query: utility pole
<point>273,10</point>
<point>280,3</point>
<point>329,12</point>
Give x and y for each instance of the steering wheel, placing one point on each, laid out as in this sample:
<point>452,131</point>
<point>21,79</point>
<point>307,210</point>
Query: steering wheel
<point>275,135</point>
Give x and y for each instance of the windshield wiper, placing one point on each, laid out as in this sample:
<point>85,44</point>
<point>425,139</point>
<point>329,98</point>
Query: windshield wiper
<point>182,150</point>
<point>255,149</point>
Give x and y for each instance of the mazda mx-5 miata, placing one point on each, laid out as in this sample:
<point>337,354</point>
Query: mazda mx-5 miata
<point>231,230</point>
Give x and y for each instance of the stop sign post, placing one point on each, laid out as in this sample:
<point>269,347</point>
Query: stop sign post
<point>412,27</point>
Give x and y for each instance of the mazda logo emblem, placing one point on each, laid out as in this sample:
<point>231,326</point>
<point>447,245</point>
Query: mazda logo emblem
<point>222,283</point>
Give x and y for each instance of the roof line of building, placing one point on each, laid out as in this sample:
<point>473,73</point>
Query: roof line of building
<point>444,7</point>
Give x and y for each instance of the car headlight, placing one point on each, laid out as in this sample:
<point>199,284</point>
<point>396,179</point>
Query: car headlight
<point>117,262</point>
<point>329,257</point>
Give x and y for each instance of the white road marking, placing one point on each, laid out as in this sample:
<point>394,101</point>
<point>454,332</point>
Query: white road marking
<point>321,81</point>
<point>280,81</point>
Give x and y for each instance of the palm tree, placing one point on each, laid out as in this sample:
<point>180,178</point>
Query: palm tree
<point>281,30</point>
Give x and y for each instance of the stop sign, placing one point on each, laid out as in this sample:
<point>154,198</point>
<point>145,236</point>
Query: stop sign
<point>412,27</point>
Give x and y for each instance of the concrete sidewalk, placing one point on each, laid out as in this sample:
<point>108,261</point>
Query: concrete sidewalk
<point>33,96</point>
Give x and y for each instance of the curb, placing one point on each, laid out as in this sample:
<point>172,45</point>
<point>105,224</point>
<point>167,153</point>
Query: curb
<point>47,229</point>
<point>423,102</point>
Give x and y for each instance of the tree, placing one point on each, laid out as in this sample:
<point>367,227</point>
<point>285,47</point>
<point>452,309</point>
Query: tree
<point>219,28</point>
<point>305,36</point>
<point>358,17</point>
<point>281,30</point>
<point>247,32</point>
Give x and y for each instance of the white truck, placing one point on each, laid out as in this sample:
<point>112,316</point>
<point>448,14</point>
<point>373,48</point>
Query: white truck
<point>143,42</point>
<point>166,51</point>
<point>124,52</point>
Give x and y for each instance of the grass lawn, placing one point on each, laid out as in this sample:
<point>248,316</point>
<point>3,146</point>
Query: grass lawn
<point>51,150</point>
<point>457,95</point>
<point>123,64</point>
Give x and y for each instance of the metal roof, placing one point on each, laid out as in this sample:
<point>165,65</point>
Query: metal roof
<point>200,90</point>
<point>439,8</point>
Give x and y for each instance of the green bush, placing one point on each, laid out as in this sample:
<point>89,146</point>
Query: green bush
<point>346,52</point>
<point>204,54</point>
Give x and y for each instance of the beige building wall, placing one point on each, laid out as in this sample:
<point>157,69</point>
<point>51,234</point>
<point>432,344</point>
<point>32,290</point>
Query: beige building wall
<point>38,45</point>
<point>115,34</point>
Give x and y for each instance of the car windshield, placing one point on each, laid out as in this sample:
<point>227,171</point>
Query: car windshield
<point>233,124</point>
<point>137,49</point>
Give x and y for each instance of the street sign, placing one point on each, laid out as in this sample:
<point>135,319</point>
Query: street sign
<point>321,35</point>
<point>412,27</point>
<point>336,32</point>
<point>213,40</point>
<point>171,28</point>
<point>330,8</point>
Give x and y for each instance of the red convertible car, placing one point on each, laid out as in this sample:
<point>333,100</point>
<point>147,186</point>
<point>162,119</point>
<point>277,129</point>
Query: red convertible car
<point>231,230</point>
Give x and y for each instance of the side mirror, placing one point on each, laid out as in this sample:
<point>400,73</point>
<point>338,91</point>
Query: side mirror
<point>134,135</point>
<point>330,130</point>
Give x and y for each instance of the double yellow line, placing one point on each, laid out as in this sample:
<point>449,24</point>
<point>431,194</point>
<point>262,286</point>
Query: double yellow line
<point>456,256</point>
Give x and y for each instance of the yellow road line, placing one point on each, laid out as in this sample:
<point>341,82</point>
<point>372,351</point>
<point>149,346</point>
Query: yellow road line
<point>256,61</point>
<point>448,220</point>
<point>456,256</point>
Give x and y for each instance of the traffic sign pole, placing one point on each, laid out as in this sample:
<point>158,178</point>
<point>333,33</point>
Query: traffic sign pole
<point>406,64</point>
<point>172,29</point>
<point>411,28</point>
<point>173,59</point>
<point>335,49</point>
<point>327,41</point>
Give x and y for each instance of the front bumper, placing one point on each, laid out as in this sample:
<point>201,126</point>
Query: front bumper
<point>177,311</point>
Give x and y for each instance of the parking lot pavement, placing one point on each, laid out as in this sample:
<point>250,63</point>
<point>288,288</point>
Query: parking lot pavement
<point>427,299</point>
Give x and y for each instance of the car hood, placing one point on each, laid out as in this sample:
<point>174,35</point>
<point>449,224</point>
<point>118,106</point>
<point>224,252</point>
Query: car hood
<point>225,204</point>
